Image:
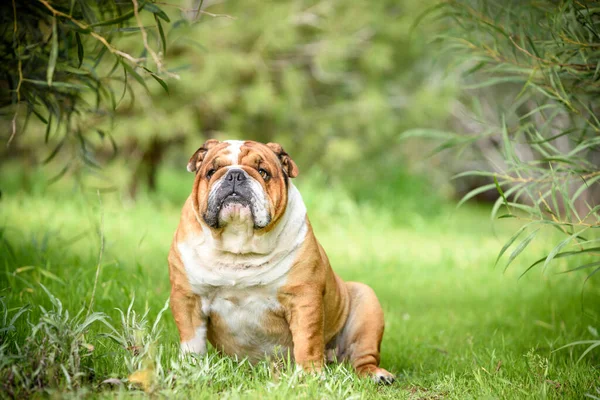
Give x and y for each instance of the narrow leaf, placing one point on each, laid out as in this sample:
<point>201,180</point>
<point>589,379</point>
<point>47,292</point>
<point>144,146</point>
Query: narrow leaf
<point>584,266</point>
<point>117,20</point>
<point>559,247</point>
<point>53,53</point>
<point>133,73</point>
<point>79,49</point>
<point>48,127</point>
<point>511,241</point>
<point>499,189</point>
<point>161,32</point>
<point>475,192</point>
<point>563,254</point>
<point>586,185</point>
<point>154,9</point>
<point>159,80</point>
<point>521,247</point>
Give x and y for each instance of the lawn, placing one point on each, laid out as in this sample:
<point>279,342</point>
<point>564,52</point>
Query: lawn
<point>456,326</point>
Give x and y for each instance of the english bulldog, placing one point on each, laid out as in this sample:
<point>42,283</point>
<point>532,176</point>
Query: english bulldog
<point>248,274</point>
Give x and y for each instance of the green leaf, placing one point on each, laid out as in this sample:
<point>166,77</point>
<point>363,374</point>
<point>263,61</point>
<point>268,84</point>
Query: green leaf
<point>158,79</point>
<point>585,186</point>
<point>500,200</point>
<point>161,32</point>
<point>584,266</point>
<point>161,82</point>
<point>60,174</point>
<point>499,189</point>
<point>48,127</point>
<point>475,192</point>
<point>494,81</point>
<point>87,11</point>
<point>511,241</point>
<point>521,247</point>
<point>473,173</point>
<point>119,19</point>
<point>40,116</point>
<point>53,53</point>
<point>54,152</point>
<point>563,254</point>
<point>61,85</point>
<point>428,134</point>
<point>154,9</point>
<point>133,73</point>
<point>559,247</point>
<point>73,26</point>
<point>592,211</point>
<point>79,49</point>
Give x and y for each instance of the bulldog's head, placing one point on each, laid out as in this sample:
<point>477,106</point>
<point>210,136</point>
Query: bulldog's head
<point>241,182</point>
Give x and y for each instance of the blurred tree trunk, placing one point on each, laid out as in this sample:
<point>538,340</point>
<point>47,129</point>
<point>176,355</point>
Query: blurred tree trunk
<point>150,159</point>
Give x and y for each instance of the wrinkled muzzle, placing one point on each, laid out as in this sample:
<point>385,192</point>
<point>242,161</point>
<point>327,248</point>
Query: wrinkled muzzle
<point>237,195</point>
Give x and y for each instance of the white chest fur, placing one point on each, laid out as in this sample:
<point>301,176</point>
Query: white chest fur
<point>241,288</point>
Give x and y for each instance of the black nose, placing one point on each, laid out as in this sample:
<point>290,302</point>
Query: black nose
<point>235,175</point>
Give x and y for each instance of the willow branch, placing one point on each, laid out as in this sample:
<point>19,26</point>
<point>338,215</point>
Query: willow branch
<point>96,36</point>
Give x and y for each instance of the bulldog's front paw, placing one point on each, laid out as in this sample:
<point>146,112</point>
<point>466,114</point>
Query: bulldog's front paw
<point>383,377</point>
<point>196,345</point>
<point>193,347</point>
<point>311,367</point>
<point>378,375</point>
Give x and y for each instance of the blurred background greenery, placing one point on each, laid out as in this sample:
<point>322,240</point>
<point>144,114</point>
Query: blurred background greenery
<point>335,83</point>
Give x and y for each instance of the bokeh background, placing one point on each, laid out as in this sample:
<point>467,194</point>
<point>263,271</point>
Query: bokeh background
<point>335,83</point>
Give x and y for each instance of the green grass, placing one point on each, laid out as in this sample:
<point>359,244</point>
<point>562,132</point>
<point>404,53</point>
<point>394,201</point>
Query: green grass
<point>456,327</point>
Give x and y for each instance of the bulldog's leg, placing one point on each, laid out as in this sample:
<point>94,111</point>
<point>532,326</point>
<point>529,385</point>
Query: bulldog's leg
<point>359,342</point>
<point>305,318</point>
<point>186,308</point>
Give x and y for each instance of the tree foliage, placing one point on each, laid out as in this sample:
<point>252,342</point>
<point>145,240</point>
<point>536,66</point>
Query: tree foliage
<point>334,82</point>
<point>62,63</point>
<point>533,73</point>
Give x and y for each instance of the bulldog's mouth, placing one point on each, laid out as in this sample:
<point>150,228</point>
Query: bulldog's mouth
<point>235,198</point>
<point>231,208</point>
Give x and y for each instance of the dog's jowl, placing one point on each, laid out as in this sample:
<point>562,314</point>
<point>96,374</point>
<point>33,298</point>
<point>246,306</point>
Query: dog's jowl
<point>248,275</point>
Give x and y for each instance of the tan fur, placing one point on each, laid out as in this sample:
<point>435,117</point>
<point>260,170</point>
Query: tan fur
<point>312,310</point>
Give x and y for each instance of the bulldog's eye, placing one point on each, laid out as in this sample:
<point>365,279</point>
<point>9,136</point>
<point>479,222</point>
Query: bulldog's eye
<point>265,175</point>
<point>210,173</point>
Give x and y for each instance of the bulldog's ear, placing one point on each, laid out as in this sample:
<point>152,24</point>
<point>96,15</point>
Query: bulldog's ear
<point>289,166</point>
<point>196,160</point>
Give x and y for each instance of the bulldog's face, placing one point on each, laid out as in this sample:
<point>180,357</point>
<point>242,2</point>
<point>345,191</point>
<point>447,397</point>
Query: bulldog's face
<point>241,182</point>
